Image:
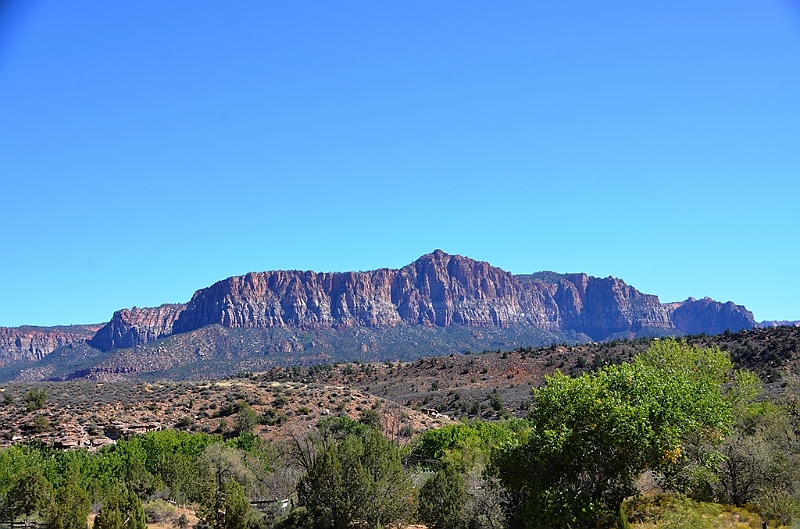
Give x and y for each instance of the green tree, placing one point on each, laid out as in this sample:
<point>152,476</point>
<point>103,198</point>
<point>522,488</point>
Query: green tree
<point>122,509</point>
<point>467,445</point>
<point>220,464</point>
<point>593,435</point>
<point>371,418</point>
<point>359,479</point>
<point>442,500</point>
<point>35,399</point>
<point>70,505</point>
<point>224,504</point>
<point>228,508</point>
<point>246,419</point>
<point>171,458</point>
<point>30,494</point>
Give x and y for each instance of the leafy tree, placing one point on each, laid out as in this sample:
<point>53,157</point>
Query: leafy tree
<point>155,461</point>
<point>466,445</point>
<point>70,505</point>
<point>593,435</point>
<point>442,500</point>
<point>172,458</point>
<point>129,465</point>
<point>220,464</point>
<point>122,509</point>
<point>224,504</point>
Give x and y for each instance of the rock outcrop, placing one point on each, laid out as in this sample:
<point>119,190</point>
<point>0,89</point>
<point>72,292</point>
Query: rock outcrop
<point>29,344</point>
<point>696,316</point>
<point>137,326</point>
<point>437,290</point>
<point>602,307</point>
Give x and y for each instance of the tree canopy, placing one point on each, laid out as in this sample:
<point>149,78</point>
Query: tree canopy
<point>593,435</point>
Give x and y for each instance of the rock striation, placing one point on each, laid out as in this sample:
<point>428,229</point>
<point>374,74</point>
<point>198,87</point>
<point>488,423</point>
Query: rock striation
<point>29,343</point>
<point>437,290</point>
<point>603,307</point>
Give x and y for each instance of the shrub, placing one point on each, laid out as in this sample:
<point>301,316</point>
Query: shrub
<point>371,418</point>
<point>35,399</point>
<point>41,424</point>
<point>159,511</point>
<point>246,418</point>
<point>182,522</point>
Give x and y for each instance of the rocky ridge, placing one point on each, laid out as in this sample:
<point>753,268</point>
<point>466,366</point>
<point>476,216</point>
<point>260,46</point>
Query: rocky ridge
<point>137,326</point>
<point>696,316</point>
<point>438,303</point>
<point>766,324</point>
<point>437,290</point>
<point>29,343</point>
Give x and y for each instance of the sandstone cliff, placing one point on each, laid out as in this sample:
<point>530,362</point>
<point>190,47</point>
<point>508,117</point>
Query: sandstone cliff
<point>437,290</point>
<point>696,316</point>
<point>137,326</point>
<point>29,344</point>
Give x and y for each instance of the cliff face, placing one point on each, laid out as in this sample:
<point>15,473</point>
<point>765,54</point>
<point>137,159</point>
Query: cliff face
<point>441,290</point>
<point>437,290</point>
<point>601,307</point>
<point>696,316</point>
<point>136,326</point>
<point>29,344</point>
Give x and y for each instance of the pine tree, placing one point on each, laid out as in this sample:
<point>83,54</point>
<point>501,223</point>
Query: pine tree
<point>30,494</point>
<point>122,509</point>
<point>70,506</point>
<point>442,500</point>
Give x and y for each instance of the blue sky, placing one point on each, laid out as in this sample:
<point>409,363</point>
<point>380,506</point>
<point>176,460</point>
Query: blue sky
<point>150,148</point>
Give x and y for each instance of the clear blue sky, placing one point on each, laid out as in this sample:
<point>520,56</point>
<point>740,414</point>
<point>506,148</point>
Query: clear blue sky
<point>150,148</point>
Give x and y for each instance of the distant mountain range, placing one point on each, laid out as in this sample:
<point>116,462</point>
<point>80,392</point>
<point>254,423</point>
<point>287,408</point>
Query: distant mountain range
<point>778,323</point>
<point>438,304</point>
